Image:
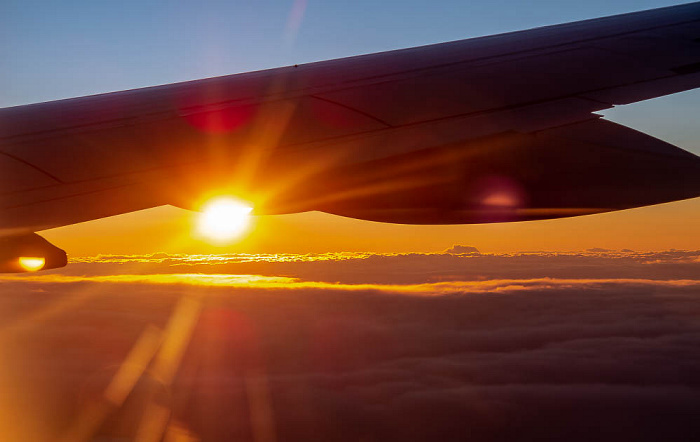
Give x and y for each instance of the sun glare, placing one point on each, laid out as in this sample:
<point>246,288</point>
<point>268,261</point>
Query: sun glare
<point>32,264</point>
<point>224,219</point>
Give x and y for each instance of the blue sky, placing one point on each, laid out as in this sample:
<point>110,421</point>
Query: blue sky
<point>60,49</point>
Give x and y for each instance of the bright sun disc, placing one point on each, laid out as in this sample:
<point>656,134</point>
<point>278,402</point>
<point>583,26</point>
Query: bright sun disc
<point>224,219</point>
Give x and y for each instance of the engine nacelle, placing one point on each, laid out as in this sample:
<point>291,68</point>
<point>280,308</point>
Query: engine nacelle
<point>29,253</point>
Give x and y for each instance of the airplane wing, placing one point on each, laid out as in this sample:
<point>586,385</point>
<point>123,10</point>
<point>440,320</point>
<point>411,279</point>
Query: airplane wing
<point>491,129</point>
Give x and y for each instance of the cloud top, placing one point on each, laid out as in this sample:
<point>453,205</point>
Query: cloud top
<point>458,249</point>
<point>578,346</point>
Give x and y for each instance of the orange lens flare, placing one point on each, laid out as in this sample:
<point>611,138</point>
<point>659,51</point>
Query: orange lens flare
<point>32,264</point>
<point>501,199</point>
<point>224,219</point>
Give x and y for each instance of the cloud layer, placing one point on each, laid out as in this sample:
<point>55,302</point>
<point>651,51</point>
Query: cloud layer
<point>595,346</point>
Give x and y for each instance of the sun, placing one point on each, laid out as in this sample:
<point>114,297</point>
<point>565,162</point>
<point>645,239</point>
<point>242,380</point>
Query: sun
<point>224,219</point>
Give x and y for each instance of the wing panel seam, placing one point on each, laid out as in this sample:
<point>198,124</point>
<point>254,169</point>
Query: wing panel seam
<point>27,163</point>
<point>352,109</point>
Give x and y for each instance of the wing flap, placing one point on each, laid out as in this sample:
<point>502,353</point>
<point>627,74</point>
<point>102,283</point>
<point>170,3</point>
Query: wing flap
<point>579,169</point>
<point>646,90</point>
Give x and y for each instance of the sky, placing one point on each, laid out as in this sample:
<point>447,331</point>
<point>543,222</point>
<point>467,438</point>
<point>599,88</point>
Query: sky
<point>54,50</point>
<point>316,327</point>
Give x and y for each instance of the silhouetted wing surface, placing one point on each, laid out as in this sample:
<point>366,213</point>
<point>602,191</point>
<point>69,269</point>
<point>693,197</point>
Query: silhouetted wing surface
<point>498,128</point>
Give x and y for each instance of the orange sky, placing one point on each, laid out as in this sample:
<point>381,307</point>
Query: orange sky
<point>661,227</point>
<point>169,229</point>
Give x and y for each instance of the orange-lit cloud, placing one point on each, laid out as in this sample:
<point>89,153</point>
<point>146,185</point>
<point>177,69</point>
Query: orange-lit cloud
<point>283,283</point>
<point>467,252</point>
<point>348,346</point>
<point>402,269</point>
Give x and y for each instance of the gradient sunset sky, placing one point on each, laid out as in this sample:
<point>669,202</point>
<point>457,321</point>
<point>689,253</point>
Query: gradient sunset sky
<point>54,50</point>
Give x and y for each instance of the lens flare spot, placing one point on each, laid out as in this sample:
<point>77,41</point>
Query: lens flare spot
<point>224,219</point>
<point>221,121</point>
<point>501,199</point>
<point>31,263</point>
